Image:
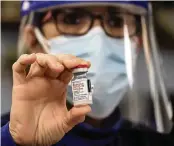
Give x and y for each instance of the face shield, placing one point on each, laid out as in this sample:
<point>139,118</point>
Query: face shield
<point>146,76</point>
<point>125,63</point>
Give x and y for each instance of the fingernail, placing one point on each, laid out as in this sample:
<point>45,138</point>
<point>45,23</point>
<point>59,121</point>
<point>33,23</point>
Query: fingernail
<point>86,63</point>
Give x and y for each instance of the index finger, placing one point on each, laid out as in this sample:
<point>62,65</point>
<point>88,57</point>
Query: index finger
<point>19,73</point>
<point>70,61</point>
<point>24,60</point>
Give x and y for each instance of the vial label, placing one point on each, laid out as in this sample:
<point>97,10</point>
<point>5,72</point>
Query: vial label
<point>80,89</point>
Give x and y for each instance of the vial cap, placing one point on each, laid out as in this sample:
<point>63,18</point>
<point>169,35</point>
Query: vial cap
<point>80,68</point>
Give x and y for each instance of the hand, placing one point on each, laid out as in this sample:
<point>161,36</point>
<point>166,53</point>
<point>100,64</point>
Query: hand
<point>39,115</point>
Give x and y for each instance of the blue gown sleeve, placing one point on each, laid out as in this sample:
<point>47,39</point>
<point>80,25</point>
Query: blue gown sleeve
<point>6,138</point>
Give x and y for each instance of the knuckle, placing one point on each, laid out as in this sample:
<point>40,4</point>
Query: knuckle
<point>39,54</point>
<point>65,56</point>
<point>22,56</point>
<point>52,57</point>
<point>60,56</point>
<point>42,59</point>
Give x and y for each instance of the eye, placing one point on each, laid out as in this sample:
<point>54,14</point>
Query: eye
<point>115,21</point>
<point>73,21</point>
<point>73,18</point>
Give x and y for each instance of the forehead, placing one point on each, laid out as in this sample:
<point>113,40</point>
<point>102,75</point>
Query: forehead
<point>94,9</point>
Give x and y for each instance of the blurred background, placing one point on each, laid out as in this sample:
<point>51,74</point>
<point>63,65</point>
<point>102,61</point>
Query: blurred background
<point>10,19</point>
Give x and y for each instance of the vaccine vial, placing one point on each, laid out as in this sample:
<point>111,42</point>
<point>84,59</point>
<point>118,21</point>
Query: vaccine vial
<point>81,86</point>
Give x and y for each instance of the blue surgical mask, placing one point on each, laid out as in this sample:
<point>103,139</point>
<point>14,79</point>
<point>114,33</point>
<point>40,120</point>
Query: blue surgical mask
<point>108,68</point>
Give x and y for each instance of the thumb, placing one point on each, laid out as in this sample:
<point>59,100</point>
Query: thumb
<point>75,116</point>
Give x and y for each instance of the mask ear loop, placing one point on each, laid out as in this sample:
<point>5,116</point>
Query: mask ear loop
<point>39,36</point>
<point>22,42</point>
<point>152,80</point>
<point>42,40</point>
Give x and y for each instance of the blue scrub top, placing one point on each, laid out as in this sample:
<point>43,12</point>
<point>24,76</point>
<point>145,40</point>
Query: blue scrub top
<point>122,134</point>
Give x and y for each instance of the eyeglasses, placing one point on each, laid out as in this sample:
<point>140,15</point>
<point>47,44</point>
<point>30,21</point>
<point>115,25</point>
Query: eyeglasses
<point>78,21</point>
